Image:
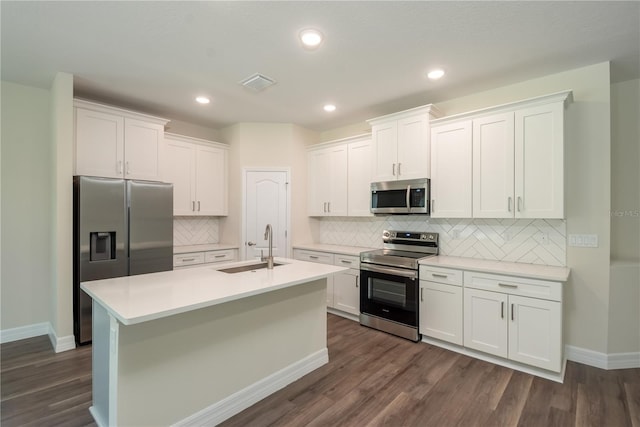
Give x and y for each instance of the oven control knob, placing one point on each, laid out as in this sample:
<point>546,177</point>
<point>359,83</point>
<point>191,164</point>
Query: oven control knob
<point>385,234</point>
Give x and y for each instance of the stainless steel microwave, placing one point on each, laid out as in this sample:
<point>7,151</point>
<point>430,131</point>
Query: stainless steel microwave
<point>409,196</point>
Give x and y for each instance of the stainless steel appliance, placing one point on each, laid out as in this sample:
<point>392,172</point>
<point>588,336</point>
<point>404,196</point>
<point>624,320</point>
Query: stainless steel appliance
<point>389,282</point>
<point>400,197</point>
<point>120,228</point>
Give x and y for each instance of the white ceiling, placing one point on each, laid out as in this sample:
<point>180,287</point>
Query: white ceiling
<point>157,56</point>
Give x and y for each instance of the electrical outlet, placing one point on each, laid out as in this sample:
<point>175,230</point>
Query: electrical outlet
<point>583,240</point>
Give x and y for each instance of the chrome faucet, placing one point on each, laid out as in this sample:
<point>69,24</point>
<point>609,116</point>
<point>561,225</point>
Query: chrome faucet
<point>268,234</point>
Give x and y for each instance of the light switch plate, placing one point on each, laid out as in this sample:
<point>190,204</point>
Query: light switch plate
<point>583,240</point>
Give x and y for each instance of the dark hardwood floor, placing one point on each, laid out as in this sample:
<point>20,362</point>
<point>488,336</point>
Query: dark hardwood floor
<point>372,379</point>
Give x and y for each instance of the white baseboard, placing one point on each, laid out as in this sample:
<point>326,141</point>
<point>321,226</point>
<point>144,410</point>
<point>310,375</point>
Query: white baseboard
<point>241,400</point>
<point>603,360</point>
<point>36,330</point>
<point>24,332</point>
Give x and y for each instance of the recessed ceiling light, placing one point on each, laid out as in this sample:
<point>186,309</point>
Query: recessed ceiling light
<point>329,108</point>
<point>435,74</point>
<point>310,38</point>
<point>202,100</point>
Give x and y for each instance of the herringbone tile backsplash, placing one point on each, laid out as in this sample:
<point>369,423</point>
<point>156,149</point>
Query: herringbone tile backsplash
<point>523,240</point>
<point>195,230</point>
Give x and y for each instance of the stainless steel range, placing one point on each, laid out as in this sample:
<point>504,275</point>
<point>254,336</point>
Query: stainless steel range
<point>389,282</point>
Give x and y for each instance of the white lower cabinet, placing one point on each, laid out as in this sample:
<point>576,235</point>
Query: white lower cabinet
<point>502,318</point>
<point>343,289</point>
<point>514,318</point>
<point>196,259</point>
<point>441,304</point>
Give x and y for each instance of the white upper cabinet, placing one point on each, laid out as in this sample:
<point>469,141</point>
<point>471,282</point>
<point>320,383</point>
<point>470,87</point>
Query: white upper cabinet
<point>339,178</point>
<point>401,144</point>
<point>198,171</point>
<point>493,160</point>
<point>359,178</point>
<point>115,143</point>
<point>451,167</point>
<point>539,161</point>
<point>518,161</point>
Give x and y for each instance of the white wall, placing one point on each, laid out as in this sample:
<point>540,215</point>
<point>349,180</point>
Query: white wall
<point>267,145</point>
<point>26,206</point>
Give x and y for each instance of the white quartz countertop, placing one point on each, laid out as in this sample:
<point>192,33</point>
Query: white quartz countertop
<point>532,271</point>
<point>137,299</point>
<point>202,248</point>
<point>336,249</point>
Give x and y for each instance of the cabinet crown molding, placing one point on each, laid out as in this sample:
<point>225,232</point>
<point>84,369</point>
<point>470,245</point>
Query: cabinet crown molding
<point>565,96</point>
<point>103,108</point>
<point>193,140</point>
<point>347,140</point>
<point>429,109</point>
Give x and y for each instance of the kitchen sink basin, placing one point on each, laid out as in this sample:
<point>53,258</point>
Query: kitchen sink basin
<point>250,267</point>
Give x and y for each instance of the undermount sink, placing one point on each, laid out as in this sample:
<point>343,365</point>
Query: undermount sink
<point>250,267</point>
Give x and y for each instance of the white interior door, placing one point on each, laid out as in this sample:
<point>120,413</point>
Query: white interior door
<point>266,202</point>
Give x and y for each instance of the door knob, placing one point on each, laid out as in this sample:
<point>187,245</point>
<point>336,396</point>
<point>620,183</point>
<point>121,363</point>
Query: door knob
<point>251,244</point>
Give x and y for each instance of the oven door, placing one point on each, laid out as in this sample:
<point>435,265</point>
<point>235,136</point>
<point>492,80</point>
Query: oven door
<point>390,293</point>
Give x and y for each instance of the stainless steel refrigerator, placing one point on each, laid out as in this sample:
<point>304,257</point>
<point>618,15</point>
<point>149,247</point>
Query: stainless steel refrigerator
<point>120,228</point>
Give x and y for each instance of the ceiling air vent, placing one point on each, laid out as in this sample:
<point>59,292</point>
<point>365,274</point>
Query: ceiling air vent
<point>257,82</point>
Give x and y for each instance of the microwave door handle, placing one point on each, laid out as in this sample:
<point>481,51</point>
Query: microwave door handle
<point>409,198</point>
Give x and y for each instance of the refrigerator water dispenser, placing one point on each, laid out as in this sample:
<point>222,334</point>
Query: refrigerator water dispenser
<point>103,246</point>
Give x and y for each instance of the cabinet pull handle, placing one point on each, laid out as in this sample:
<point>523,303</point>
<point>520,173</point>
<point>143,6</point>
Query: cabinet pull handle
<point>344,261</point>
<point>508,285</point>
<point>127,168</point>
<point>193,206</point>
<point>519,203</point>
<point>502,310</point>
<point>313,257</point>
<point>324,207</point>
<point>442,276</point>
<point>119,166</point>
<point>198,205</point>
<point>188,259</point>
<point>357,280</point>
<point>421,294</point>
<point>433,203</point>
<point>329,207</point>
<point>512,318</point>
<point>509,204</point>
<point>394,170</point>
<point>399,171</point>
<point>219,256</point>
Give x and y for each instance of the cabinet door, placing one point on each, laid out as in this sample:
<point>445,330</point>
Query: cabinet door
<point>99,142</point>
<point>359,178</point>
<point>535,332</point>
<point>539,162</point>
<point>337,173</point>
<point>319,162</point>
<point>441,311</point>
<point>451,170</point>
<point>493,162</point>
<point>211,181</point>
<point>346,291</point>
<point>413,148</point>
<point>180,171</point>
<point>143,149</point>
<point>485,321</point>
<point>385,151</point>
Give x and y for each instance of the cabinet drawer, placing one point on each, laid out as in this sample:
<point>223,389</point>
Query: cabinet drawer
<point>188,259</point>
<point>512,285</point>
<point>441,275</point>
<point>347,261</point>
<point>313,256</point>
<point>220,256</point>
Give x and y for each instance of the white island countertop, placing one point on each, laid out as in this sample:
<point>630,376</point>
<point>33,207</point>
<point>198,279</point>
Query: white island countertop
<point>532,271</point>
<point>137,299</point>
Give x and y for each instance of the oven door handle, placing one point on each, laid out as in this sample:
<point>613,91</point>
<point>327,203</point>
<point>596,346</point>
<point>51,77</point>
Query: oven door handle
<point>411,274</point>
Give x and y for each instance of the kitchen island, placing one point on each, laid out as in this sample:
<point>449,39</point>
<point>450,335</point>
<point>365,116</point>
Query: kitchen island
<point>196,346</point>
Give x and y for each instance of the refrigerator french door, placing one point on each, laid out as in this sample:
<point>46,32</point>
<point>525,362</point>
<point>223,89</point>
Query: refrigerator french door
<point>121,227</point>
